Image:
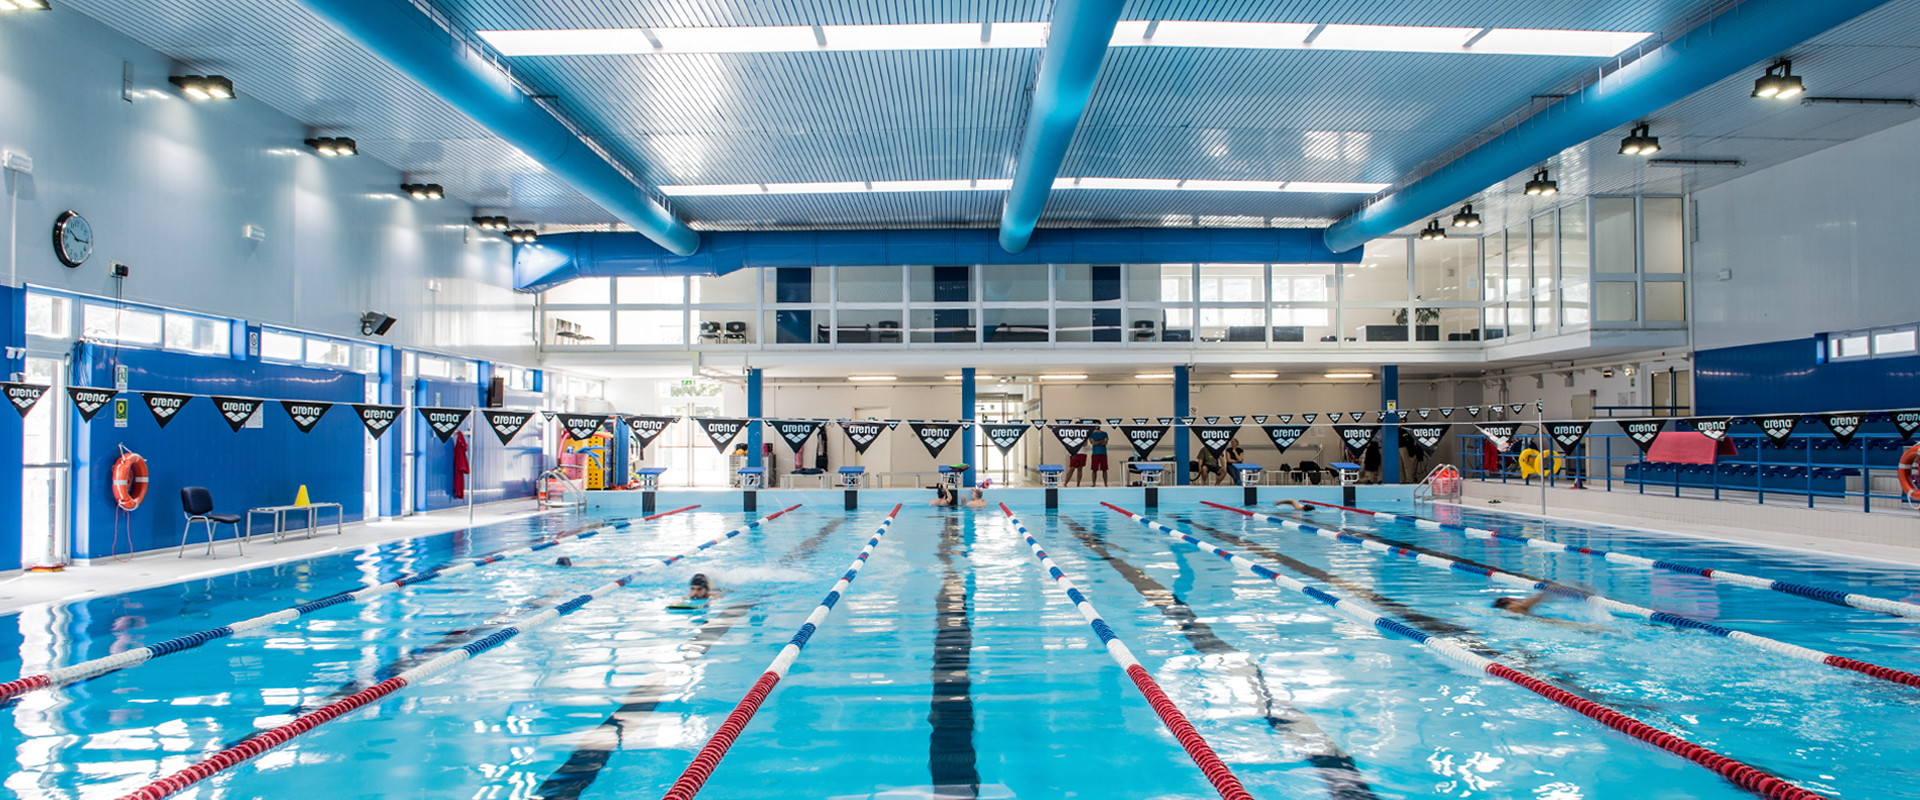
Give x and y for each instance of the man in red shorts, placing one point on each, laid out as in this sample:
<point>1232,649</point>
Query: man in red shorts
<point>1098,444</point>
<point>1075,463</point>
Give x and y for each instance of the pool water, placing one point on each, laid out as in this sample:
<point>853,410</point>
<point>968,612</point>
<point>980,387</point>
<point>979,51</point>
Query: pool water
<point>954,668</point>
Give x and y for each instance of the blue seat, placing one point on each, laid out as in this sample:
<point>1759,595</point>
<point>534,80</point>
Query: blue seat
<point>197,503</point>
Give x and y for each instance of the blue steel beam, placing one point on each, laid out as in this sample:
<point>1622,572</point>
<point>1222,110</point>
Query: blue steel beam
<point>1076,44</point>
<point>1751,33</point>
<point>399,34</point>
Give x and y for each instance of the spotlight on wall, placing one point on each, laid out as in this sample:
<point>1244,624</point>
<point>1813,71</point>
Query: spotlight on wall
<point>331,146</point>
<point>522,236</point>
<point>374,323</point>
<point>204,87</point>
<point>1639,142</point>
<point>491,223</point>
<point>1541,185</point>
<point>1433,230</point>
<point>1779,83</point>
<point>424,191</point>
<point>1466,218</point>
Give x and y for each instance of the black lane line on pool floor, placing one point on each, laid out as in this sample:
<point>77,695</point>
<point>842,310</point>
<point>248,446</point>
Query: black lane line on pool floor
<point>951,759</point>
<point>598,745</point>
<point>1344,781</point>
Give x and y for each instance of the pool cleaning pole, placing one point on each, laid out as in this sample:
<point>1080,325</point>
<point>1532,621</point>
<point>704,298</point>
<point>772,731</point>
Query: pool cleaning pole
<point>473,450</point>
<point>1546,448</point>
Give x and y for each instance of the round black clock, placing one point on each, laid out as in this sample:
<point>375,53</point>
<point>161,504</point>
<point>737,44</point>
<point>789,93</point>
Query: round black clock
<point>72,239</point>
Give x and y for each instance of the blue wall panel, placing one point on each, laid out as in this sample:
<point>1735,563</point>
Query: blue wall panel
<point>498,472</point>
<point>13,332</point>
<point>1783,376</point>
<point>254,467</point>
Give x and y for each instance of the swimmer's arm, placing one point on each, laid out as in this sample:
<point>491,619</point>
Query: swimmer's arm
<point>1526,606</point>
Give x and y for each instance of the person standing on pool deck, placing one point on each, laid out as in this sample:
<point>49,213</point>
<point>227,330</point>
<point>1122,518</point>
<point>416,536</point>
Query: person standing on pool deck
<point>1098,444</point>
<point>1075,463</point>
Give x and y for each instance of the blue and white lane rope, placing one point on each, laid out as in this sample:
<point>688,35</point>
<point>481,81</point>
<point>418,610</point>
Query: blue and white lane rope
<point>1196,746</point>
<point>1742,775</point>
<point>1603,603</point>
<point>271,738</point>
<point>1822,594</point>
<point>94,668</point>
<point>708,760</point>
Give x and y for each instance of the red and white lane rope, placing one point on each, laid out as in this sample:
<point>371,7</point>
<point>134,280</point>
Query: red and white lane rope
<point>1196,746</point>
<point>1607,604</point>
<point>94,668</point>
<point>271,738</point>
<point>1742,775</point>
<point>708,760</point>
<point>1820,593</point>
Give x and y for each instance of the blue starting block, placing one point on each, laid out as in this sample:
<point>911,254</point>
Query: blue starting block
<point>1248,475</point>
<point>1349,477</point>
<point>1050,475</point>
<point>751,479</point>
<point>851,478</point>
<point>649,478</point>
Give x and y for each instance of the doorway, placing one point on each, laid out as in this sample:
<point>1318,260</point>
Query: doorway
<point>45,468</point>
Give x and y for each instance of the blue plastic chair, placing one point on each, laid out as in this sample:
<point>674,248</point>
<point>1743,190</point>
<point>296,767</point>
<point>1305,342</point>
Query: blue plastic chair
<point>197,502</point>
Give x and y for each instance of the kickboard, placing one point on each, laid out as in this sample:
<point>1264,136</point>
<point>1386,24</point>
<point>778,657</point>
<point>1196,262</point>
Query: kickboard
<point>689,604</point>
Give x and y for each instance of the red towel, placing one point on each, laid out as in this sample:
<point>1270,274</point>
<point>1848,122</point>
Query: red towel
<point>1688,447</point>
<point>460,467</point>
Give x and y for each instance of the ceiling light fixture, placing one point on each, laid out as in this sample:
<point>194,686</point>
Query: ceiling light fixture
<point>1349,375</point>
<point>871,377</point>
<point>1639,142</point>
<point>1063,377</point>
<point>204,87</point>
<point>1255,375</point>
<point>1153,376</point>
<point>1541,185</point>
<point>522,236</point>
<point>1779,83</point>
<point>1466,218</point>
<point>331,146</point>
<point>492,223</point>
<point>25,5</point>
<point>1433,230</point>
<point>424,191</point>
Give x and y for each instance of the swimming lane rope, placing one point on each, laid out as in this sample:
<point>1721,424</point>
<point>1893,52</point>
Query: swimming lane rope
<point>94,668</point>
<point>1450,564</point>
<point>1196,746</point>
<point>708,760</point>
<point>271,738</point>
<point>1741,775</point>
<point>1822,594</point>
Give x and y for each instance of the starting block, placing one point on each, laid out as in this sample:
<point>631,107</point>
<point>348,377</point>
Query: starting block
<point>1248,476</point>
<point>750,480</point>
<point>649,478</point>
<point>851,477</point>
<point>1349,478</point>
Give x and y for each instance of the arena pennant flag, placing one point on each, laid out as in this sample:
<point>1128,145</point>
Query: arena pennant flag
<point>305,414</point>
<point>1334,416</point>
<point>1567,435</point>
<point>1072,437</point>
<point>1426,412</point>
<point>1778,428</point>
<point>1138,421</point>
<point>893,423</point>
<point>377,418</point>
<point>1473,411</point>
<point>1500,433</point>
<point>444,421</point>
<point>1714,428</point>
<point>721,431</point>
<point>795,432</point>
<point>1114,420</point>
<point>1356,437</point>
<point>1164,420</point>
<point>1306,418</point>
<point>1906,422</point>
<point>1284,436</point>
<point>1039,423</point>
<point>1186,420</point>
<point>1143,438</point>
<point>236,410</point>
<point>1003,436</point>
<point>1215,438</point>
<point>1843,426</point>
<point>1446,413</point>
<point>863,433</point>
<point>506,424</point>
<point>1285,419</point>
<point>1518,407</point>
<point>1259,419</point>
<point>1212,420</point>
<point>934,435</point>
<point>1644,431</point>
<point>1237,420</point>
<point>1428,437</point>
<point>165,406</point>
<point>24,396</point>
<point>581,427</point>
<point>88,400</point>
<point>647,429</point>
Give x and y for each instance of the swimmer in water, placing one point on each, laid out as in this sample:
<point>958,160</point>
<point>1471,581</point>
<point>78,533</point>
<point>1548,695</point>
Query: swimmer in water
<point>563,561</point>
<point>945,496</point>
<point>697,589</point>
<point>1522,606</point>
<point>979,499</point>
<point>1295,505</point>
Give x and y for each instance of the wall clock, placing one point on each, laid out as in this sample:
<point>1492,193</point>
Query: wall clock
<point>72,239</point>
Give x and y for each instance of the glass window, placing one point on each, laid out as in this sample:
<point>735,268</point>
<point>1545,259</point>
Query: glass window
<point>581,291</point>
<point>277,346</point>
<point>1544,311</point>
<point>366,359</point>
<point>724,327</point>
<point>1573,243</point>
<point>1086,283</point>
<point>868,284</point>
<point>567,328</point>
<point>798,284</point>
<point>869,327</point>
<point>49,315</point>
<point>1614,301</point>
<point>1894,342</point>
<point>742,287</point>
<point>431,367</point>
<point>1160,283</point>
<point>643,291</point>
<point>1087,325</point>
<point>1493,258</point>
<point>1233,324</point>
<point>1573,309</point>
<point>1456,325</point>
<point>125,325</point>
<point>1613,234</point>
<point>650,327</point>
<point>328,353</point>
<point>1665,236</point>
<point>1381,275</point>
<point>1851,345</point>
<point>1303,324</point>
<point>1232,283</point>
<point>1013,283</point>
<point>1009,326</point>
<point>1543,250</point>
<point>1519,317</point>
<point>1496,322</point>
<point>1446,269</point>
<point>1303,283</point>
<point>950,325</point>
<point>943,284</point>
<point>1667,301</point>
<point>193,334</point>
<point>1519,277</point>
<point>1375,324</point>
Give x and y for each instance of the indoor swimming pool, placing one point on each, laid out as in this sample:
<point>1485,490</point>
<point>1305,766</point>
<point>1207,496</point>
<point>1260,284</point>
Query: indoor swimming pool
<point>954,666</point>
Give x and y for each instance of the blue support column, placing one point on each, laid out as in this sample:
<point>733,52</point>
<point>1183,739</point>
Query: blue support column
<point>966,412</point>
<point>393,478</point>
<point>1390,435</point>
<point>13,432</point>
<point>1182,450</point>
<point>754,424</point>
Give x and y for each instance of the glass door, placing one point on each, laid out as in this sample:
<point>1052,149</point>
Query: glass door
<point>45,467</point>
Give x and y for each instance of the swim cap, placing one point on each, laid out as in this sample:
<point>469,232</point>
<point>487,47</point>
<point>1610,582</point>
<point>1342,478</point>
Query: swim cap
<point>699,579</point>
<point>563,561</point>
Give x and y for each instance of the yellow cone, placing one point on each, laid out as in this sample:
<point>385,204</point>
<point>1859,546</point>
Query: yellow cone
<point>301,499</point>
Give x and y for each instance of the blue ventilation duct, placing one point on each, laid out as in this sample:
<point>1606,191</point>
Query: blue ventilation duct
<point>559,258</point>
<point>399,34</point>
<point>1749,34</point>
<point>1077,42</point>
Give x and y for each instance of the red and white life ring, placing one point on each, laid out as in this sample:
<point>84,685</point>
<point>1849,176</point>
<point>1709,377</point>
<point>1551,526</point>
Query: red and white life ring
<point>1909,473</point>
<point>129,480</point>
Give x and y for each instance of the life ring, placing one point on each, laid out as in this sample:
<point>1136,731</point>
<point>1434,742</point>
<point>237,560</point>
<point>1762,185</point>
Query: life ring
<point>129,480</point>
<point>1530,463</point>
<point>1909,472</point>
